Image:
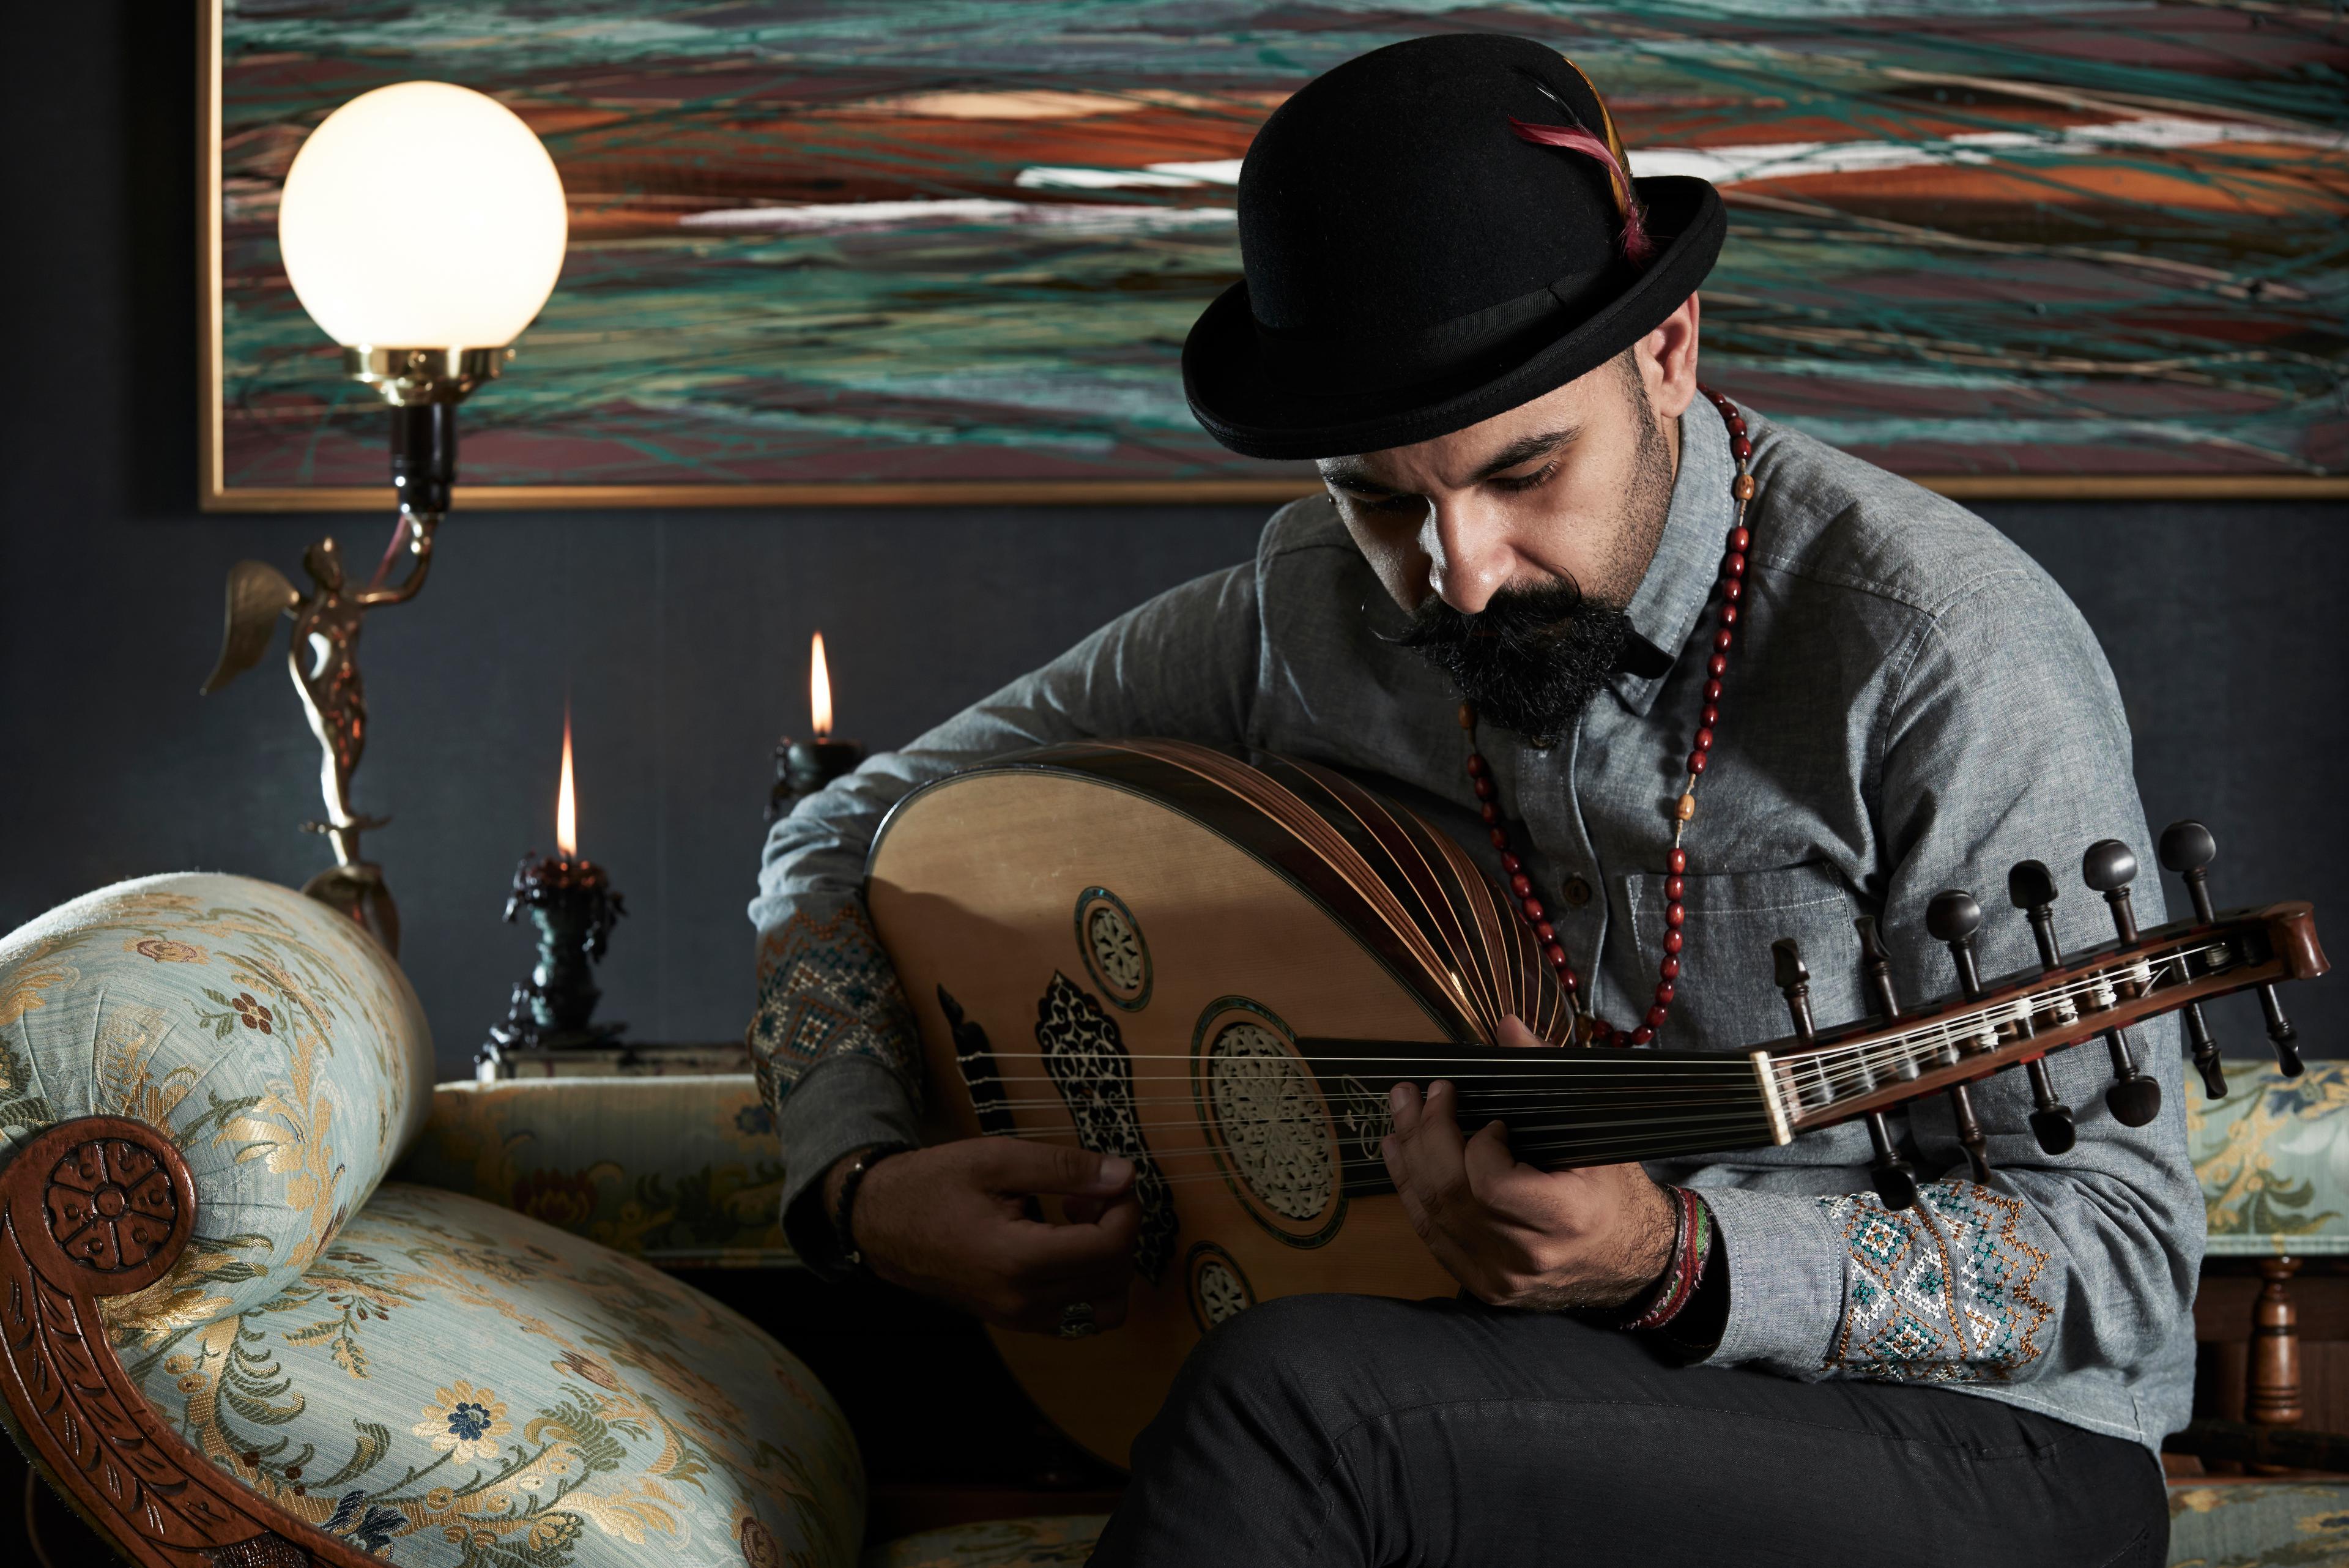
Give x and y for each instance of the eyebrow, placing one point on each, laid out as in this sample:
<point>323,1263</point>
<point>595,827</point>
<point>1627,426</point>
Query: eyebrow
<point>1348,474</point>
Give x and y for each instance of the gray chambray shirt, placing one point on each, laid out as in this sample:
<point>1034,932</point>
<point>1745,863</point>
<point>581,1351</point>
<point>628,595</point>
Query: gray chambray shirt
<point>1912,705</point>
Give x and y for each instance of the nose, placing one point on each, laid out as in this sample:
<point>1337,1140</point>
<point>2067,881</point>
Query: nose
<point>1468,554</point>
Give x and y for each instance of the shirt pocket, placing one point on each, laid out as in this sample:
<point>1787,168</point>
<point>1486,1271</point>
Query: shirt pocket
<point>1726,997</point>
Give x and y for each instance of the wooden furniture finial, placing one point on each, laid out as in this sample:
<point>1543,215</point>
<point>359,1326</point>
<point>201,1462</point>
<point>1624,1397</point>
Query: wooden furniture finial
<point>103,1206</point>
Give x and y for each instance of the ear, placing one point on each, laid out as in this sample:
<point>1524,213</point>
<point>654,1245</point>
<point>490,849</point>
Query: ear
<point>1667,358</point>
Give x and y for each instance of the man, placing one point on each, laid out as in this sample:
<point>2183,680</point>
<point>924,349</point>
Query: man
<point>1490,341</point>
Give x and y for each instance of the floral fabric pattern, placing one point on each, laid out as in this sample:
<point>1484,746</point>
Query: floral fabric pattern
<point>275,1042</point>
<point>826,988</point>
<point>1045,1542</point>
<point>1940,1293</point>
<point>456,1386</point>
<point>2268,1525</point>
<point>676,1170</point>
<point>2273,1161</point>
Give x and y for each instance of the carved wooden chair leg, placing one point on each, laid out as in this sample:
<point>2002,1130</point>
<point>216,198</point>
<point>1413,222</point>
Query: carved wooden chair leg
<point>103,1206</point>
<point>2272,1394</point>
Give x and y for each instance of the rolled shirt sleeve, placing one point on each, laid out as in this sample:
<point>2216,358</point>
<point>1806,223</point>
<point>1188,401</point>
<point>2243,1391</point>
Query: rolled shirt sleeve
<point>833,1041</point>
<point>2001,740</point>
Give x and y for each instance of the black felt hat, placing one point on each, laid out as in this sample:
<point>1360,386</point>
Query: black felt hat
<point>1416,261</point>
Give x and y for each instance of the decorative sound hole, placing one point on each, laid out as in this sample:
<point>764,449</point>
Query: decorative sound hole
<point>111,1205</point>
<point>1218,1289</point>
<point>1364,1120</point>
<point>1115,951</point>
<point>1274,1130</point>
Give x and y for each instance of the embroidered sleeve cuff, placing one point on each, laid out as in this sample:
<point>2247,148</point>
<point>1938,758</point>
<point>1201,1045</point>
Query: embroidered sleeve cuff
<point>1786,1269</point>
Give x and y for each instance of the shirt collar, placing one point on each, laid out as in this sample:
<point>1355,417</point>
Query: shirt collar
<point>1679,583</point>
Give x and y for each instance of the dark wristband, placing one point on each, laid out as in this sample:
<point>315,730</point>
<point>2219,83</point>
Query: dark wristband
<point>844,1237</point>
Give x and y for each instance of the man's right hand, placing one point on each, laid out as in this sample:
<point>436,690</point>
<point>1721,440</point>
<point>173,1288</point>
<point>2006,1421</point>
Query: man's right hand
<point>954,1222</point>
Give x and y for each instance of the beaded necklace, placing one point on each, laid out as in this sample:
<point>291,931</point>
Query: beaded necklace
<point>1732,589</point>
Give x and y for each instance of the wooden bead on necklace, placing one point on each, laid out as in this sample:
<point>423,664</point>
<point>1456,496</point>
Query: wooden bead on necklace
<point>1729,595</point>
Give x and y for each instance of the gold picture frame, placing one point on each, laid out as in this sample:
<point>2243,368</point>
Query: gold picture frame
<point>217,493</point>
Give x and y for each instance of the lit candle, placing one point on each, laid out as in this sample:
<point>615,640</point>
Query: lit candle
<point>571,902</point>
<point>804,767</point>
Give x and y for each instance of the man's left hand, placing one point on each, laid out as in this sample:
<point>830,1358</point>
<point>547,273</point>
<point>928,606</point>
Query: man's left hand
<point>1516,1236</point>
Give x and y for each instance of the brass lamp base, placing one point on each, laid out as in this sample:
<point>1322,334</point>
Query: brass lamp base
<point>407,378</point>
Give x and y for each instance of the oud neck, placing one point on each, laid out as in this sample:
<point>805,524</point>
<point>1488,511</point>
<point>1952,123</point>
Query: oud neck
<point>1563,1105</point>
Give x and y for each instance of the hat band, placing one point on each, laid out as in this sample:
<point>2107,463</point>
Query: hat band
<point>1370,359</point>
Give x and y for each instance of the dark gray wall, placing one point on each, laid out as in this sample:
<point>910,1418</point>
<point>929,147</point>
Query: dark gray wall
<point>682,634</point>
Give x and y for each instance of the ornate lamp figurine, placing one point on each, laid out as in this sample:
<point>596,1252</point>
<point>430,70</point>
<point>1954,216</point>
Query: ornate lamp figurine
<point>422,226</point>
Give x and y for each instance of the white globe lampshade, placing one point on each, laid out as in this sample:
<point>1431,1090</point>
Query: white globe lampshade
<point>422,215</point>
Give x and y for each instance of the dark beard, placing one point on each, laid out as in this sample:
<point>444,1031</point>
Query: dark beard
<point>1530,660</point>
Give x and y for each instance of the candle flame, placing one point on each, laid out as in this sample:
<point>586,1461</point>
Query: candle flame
<point>819,691</point>
<point>567,807</point>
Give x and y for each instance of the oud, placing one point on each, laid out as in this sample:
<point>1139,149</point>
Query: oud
<point>1219,970</point>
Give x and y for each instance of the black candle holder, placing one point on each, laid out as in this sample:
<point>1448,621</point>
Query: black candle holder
<point>804,767</point>
<point>574,905</point>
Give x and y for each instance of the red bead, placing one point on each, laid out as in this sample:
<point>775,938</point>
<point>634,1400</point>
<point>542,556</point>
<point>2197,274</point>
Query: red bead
<point>1732,590</point>
<point>1510,863</point>
<point>1697,761</point>
<point>1722,638</point>
<point>1740,539</point>
<point>1656,1017</point>
<point>1663,993</point>
<point>1679,863</point>
<point>1490,813</point>
<point>1741,447</point>
<point>1533,910</point>
<point>1500,838</point>
<point>1669,969</point>
<point>1642,1036</point>
<point>1716,666</point>
<point>1704,740</point>
<point>1521,885</point>
<point>1672,942</point>
<point>1734,567</point>
<point>1711,716</point>
<point>1555,953</point>
<point>1712,690</point>
<point>1484,789</point>
<point>1674,886</point>
<point>1675,915</point>
<point>1729,615</point>
<point>1475,764</point>
<point>1544,932</point>
<point>1736,425</point>
<point>1566,983</point>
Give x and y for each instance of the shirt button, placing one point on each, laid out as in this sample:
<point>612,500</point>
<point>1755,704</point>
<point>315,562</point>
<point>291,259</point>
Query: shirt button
<point>1577,892</point>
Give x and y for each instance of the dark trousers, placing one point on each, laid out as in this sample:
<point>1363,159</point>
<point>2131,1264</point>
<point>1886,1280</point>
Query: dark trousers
<point>1364,1432</point>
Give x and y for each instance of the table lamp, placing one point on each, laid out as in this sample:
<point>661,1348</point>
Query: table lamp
<point>422,226</point>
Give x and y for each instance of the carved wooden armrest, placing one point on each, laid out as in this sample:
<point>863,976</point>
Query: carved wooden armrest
<point>103,1206</point>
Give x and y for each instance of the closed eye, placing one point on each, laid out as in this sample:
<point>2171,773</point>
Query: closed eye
<point>1518,484</point>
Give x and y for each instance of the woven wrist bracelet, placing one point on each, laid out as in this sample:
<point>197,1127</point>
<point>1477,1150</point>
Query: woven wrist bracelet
<point>1692,1245</point>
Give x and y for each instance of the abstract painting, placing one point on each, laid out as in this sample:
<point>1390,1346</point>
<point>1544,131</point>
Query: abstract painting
<point>949,249</point>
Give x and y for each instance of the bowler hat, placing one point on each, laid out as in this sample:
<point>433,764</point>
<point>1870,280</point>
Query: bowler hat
<point>1429,237</point>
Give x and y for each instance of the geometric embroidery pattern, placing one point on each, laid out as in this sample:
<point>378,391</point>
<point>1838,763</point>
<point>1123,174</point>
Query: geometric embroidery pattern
<point>1940,1293</point>
<point>825,987</point>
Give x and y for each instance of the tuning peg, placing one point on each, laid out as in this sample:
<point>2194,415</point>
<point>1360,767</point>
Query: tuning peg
<point>1878,961</point>
<point>2188,848</point>
<point>1952,918</point>
<point>2109,867</point>
<point>1895,1181</point>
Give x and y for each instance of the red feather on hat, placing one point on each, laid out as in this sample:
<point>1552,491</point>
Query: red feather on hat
<point>1638,247</point>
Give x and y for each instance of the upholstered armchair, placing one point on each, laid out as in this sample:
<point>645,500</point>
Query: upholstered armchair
<point>226,1338</point>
